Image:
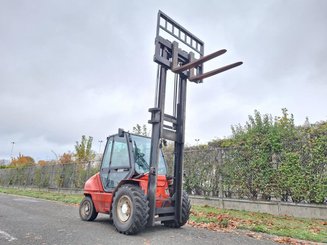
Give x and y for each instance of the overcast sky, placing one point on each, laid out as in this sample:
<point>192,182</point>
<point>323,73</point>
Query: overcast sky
<point>73,68</point>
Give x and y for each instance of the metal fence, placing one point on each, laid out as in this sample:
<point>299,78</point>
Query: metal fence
<point>202,171</point>
<point>59,176</point>
<point>242,174</point>
<point>214,172</point>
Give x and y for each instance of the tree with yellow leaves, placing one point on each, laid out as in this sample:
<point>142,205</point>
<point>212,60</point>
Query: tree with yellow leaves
<point>22,161</point>
<point>66,158</point>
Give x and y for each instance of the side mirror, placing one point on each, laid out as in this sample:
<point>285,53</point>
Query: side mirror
<point>121,132</point>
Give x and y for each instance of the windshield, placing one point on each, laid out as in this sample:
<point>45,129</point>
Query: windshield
<point>142,149</point>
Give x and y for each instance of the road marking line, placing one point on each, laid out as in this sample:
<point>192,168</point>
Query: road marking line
<point>7,236</point>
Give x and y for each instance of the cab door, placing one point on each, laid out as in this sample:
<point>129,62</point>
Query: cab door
<point>104,171</point>
<point>116,163</point>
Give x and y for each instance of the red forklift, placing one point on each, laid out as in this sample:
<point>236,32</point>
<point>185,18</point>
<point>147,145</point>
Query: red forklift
<point>133,185</point>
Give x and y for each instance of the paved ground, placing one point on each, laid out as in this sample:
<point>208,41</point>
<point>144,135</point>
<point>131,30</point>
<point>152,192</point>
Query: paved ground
<point>33,221</point>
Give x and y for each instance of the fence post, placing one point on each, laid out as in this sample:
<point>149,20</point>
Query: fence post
<point>220,176</point>
<point>73,179</point>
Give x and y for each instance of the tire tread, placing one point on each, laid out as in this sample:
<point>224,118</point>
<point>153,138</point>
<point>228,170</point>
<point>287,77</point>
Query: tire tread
<point>141,209</point>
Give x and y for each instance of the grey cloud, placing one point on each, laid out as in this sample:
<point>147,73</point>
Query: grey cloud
<point>69,68</point>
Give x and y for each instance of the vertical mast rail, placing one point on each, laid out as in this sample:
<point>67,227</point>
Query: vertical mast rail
<point>169,56</point>
<point>157,115</point>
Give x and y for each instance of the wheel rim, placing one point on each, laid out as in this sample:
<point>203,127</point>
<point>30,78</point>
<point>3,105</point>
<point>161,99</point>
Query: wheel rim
<point>124,208</point>
<point>86,209</point>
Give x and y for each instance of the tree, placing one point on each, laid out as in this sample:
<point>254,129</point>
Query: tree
<point>273,157</point>
<point>141,130</point>
<point>314,161</point>
<point>84,152</point>
<point>249,165</point>
<point>66,158</point>
<point>221,143</point>
<point>22,161</point>
<point>42,163</point>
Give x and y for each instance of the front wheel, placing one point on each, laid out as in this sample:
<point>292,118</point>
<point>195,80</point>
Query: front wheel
<point>87,210</point>
<point>130,209</point>
<point>186,208</point>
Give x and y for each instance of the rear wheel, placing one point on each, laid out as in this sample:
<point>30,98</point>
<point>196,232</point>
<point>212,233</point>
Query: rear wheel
<point>130,209</point>
<point>87,210</point>
<point>186,208</point>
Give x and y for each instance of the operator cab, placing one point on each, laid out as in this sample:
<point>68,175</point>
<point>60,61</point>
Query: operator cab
<point>125,156</point>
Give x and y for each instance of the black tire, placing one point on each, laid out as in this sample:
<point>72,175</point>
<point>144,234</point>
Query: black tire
<point>87,210</point>
<point>130,209</point>
<point>186,208</point>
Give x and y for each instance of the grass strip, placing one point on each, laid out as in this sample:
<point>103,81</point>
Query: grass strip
<point>220,219</point>
<point>54,196</point>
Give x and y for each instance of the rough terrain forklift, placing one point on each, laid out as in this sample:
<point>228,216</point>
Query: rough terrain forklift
<point>133,185</point>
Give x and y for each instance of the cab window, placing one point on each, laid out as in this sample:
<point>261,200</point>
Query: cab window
<point>120,154</point>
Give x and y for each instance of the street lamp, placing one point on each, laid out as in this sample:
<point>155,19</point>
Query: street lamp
<point>100,141</point>
<point>12,148</point>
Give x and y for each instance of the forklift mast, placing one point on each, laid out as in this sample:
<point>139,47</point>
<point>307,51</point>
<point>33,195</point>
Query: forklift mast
<point>169,56</point>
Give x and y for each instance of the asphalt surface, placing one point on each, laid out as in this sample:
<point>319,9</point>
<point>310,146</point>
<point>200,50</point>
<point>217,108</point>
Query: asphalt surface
<point>26,220</point>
